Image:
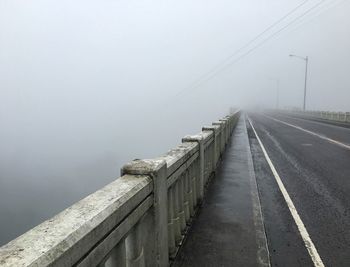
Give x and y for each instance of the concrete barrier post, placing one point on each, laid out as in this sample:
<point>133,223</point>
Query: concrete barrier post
<point>232,119</point>
<point>224,125</point>
<point>213,129</point>
<point>222,131</point>
<point>225,121</point>
<point>227,118</point>
<point>227,131</point>
<point>157,170</point>
<point>229,127</point>
<point>347,117</point>
<point>218,143</point>
<point>222,134</point>
<point>198,139</point>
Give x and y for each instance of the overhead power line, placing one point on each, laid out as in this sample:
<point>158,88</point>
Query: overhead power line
<point>326,7</point>
<point>248,43</point>
<point>227,62</point>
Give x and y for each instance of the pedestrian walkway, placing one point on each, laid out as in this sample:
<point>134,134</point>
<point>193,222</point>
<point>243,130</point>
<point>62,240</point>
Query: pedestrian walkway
<point>228,230</point>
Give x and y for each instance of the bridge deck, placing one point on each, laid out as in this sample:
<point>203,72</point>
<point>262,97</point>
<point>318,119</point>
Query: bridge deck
<point>228,230</point>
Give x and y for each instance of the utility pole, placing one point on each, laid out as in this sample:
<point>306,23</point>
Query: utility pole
<point>306,63</point>
<point>306,59</point>
<point>277,91</point>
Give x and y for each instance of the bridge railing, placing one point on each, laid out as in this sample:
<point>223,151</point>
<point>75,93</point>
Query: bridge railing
<point>325,115</point>
<point>140,219</point>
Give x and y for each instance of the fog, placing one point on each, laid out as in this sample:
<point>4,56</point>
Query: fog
<point>86,86</point>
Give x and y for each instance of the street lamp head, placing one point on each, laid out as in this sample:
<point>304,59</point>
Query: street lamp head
<point>300,57</point>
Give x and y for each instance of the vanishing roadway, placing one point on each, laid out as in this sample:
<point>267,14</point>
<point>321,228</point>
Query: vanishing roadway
<point>281,197</point>
<point>312,160</point>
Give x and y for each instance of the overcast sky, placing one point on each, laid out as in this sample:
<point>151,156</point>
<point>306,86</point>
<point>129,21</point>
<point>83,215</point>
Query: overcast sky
<point>86,86</point>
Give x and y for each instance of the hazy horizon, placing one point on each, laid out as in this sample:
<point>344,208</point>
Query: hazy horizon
<point>87,86</point>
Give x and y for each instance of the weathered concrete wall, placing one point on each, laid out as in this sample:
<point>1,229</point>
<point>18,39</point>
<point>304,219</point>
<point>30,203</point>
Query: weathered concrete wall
<point>138,220</point>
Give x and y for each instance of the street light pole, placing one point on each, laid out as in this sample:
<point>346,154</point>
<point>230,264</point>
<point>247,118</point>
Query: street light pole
<point>306,59</point>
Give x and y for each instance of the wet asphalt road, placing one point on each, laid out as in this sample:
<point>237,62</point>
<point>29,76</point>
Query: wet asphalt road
<point>316,174</point>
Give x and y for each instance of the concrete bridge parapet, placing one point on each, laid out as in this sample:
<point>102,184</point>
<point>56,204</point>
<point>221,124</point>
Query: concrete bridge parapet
<point>140,219</point>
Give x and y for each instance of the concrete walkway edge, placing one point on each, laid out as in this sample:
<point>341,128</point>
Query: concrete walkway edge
<point>263,255</point>
<point>229,229</point>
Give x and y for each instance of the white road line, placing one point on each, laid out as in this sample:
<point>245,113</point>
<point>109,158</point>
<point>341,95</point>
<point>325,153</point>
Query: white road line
<point>312,133</point>
<point>301,227</point>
